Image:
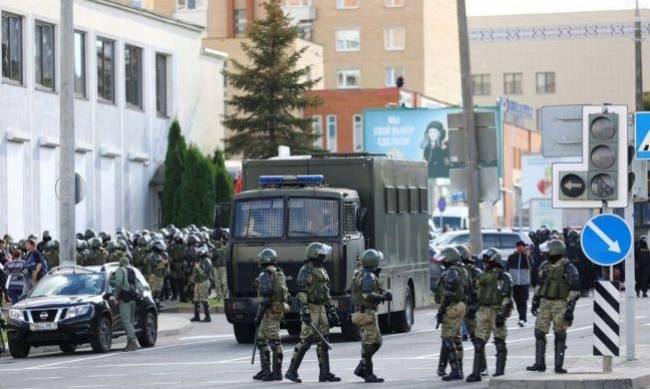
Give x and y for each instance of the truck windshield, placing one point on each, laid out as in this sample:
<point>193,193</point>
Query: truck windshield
<point>313,217</point>
<point>453,222</point>
<point>260,218</point>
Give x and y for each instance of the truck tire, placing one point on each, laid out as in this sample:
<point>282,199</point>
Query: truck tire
<point>403,320</point>
<point>294,329</point>
<point>350,332</point>
<point>244,333</point>
<point>18,348</point>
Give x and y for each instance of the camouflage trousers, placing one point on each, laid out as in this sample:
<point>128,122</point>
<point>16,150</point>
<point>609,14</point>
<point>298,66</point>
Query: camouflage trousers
<point>201,291</point>
<point>319,320</point>
<point>269,330</point>
<point>551,311</point>
<point>370,329</point>
<point>220,282</point>
<point>452,320</point>
<point>156,285</point>
<point>485,326</point>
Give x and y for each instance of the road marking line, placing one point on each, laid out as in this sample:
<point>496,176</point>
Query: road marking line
<point>160,383</point>
<point>206,337</point>
<point>167,373</point>
<point>44,378</point>
<point>104,375</point>
<point>90,386</point>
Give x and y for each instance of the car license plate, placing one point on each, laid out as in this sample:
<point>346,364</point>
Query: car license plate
<point>43,326</point>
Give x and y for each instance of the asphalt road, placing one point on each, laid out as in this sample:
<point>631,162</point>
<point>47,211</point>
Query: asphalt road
<point>207,356</point>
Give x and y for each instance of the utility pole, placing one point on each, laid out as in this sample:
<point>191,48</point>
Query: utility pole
<point>471,147</point>
<point>67,195</point>
<point>630,298</point>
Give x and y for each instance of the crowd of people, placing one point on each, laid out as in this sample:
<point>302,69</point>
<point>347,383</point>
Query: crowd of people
<point>167,258</point>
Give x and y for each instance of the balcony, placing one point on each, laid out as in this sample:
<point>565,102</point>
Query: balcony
<point>300,13</point>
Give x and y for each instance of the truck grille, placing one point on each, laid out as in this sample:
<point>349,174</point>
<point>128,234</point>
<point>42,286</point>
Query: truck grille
<point>36,315</point>
<point>248,272</point>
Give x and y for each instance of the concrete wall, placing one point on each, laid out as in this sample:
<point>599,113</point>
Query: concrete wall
<point>118,148</point>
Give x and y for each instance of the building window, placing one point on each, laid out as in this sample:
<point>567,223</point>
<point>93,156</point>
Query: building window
<point>546,82</point>
<point>12,47</point>
<point>512,83</point>
<point>105,69</point>
<point>357,127</point>
<point>240,21</point>
<point>190,4</point>
<point>394,3</point>
<point>348,78</point>
<point>348,40</point>
<point>80,63</point>
<point>317,128</point>
<point>394,38</point>
<point>481,84</point>
<point>44,55</point>
<point>392,74</point>
<point>332,131</point>
<point>133,75</point>
<point>347,4</point>
<point>161,84</point>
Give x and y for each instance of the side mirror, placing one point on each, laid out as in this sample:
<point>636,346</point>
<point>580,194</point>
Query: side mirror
<point>361,218</point>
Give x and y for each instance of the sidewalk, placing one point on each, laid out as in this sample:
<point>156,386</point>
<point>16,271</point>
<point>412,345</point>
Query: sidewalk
<point>584,373</point>
<point>169,324</point>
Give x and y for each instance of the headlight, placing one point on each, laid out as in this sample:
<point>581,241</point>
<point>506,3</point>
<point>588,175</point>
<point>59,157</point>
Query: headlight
<point>16,314</point>
<point>76,311</point>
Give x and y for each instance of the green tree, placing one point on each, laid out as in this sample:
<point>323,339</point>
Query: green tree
<point>196,190</point>
<point>174,159</point>
<point>272,91</point>
<point>223,184</point>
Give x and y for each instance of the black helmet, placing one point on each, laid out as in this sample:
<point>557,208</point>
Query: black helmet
<point>90,233</point>
<point>178,237</point>
<point>193,240</point>
<point>491,255</point>
<point>46,236</point>
<point>465,254</point>
<point>371,258</point>
<point>450,255</point>
<point>112,246</point>
<point>556,248</point>
<point>317,250</point>
<point>95,243</point>
<point>159,246</point>
<point>144,240</point>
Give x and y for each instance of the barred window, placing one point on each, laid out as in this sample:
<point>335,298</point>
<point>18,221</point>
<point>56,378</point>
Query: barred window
<point>311,217</point>
<point>402,200</point>
<point>263,218</point>
<point>390,198</point>
<point>424,200</point>
<point>350,219</point>
<point>414,205</point>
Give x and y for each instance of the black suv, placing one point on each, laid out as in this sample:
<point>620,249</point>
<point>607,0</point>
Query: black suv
<point>74,305</point>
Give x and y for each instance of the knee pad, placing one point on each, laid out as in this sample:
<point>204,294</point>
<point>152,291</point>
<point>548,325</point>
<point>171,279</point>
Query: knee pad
<point>500,344</point>
<point>560,336</point>
<point>276,345</point>
<point>449,344</point>
<point>479,345</point>
<point>540,335</point>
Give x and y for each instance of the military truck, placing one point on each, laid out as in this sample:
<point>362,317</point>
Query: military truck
<point>351,202</point>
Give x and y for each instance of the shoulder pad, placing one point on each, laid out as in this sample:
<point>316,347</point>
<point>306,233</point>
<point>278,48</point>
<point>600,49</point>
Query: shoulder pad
<point>573,277</point>
<point>453,275</point>
<point>368,282</point>
<point>264,283</point>
<point>303,277</point>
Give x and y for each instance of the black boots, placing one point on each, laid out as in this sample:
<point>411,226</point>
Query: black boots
<point>456,369</point>
<point>265,362</point>
<point>324,365</point>
<point>540,351</point>
<point>502,354</point>
<point>197,309</point>
<point>365,367</point>
<point>560,346</point>
<point>479,356</point>
<point>298,354</point>
<point>442,363</point>
<point>276,360</point>
<point>206,309</point>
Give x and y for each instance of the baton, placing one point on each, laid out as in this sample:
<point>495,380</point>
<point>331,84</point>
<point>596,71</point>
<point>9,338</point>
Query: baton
<point>322,338</point>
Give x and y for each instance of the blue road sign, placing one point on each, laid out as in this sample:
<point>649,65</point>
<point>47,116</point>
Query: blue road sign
<point>442,204</point>
<point>606,239</point>
<point>642,135</point>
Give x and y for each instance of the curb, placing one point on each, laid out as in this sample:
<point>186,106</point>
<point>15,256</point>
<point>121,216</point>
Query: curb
<point>620,382</point>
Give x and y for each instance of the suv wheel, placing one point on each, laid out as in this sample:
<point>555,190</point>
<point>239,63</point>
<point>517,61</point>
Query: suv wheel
<point>147,337</point>
<point>68,348</point>
<point>103,337</point>
<point>18,348</point>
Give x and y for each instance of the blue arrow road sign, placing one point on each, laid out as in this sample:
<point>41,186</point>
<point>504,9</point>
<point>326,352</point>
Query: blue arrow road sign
<point>606,239</point>
<point>642,135</point>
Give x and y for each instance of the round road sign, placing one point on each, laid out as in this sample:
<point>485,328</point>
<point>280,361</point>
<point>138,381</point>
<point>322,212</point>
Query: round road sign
<point>572,185</point>
<point>603,186</point>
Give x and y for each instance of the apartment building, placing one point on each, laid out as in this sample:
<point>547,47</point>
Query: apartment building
<point>135,72</point>
<point>560,58</point>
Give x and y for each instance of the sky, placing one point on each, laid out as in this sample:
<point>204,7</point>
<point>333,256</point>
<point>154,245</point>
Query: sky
<point>513,7</point>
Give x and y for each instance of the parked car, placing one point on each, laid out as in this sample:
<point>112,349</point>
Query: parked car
<point>74,305</point>
<point>503,240</point>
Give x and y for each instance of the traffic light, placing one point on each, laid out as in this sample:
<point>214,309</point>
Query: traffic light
<point>603,174</point>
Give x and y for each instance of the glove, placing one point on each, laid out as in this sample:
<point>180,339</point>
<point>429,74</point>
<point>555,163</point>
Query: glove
<point>500,320</point>
<point>388,296</point>
<point>568,316</point>
<point>535,306</point>
<point>265,302</point>
<point>258,319</point>
<point>333,317</point>
<point>305,316</point>
<point>441,314</point>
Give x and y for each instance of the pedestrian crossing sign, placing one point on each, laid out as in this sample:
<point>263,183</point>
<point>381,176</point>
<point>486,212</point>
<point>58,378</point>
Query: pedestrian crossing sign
<point>642,135</point>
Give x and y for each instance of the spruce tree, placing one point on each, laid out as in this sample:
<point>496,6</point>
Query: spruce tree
<point>196,191</point>
<point>266,111</point>
<point>223,184</point>
<point>174,159</point>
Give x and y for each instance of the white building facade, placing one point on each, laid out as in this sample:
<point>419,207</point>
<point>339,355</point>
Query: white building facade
<point>135,72</point>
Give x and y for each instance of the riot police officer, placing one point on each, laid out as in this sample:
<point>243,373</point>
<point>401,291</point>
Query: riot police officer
<point>159,265</point>
<point>273,296</point>
<point>494,296</point>
<point>98,255</point>
<point>367,294</point>
<point>451,295</point>
<point>177,254</point>
<point>317,311</point>
<point>51,253</point>
<point>201,270</point>
<point>554,302</point>
<point>473,271</point>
